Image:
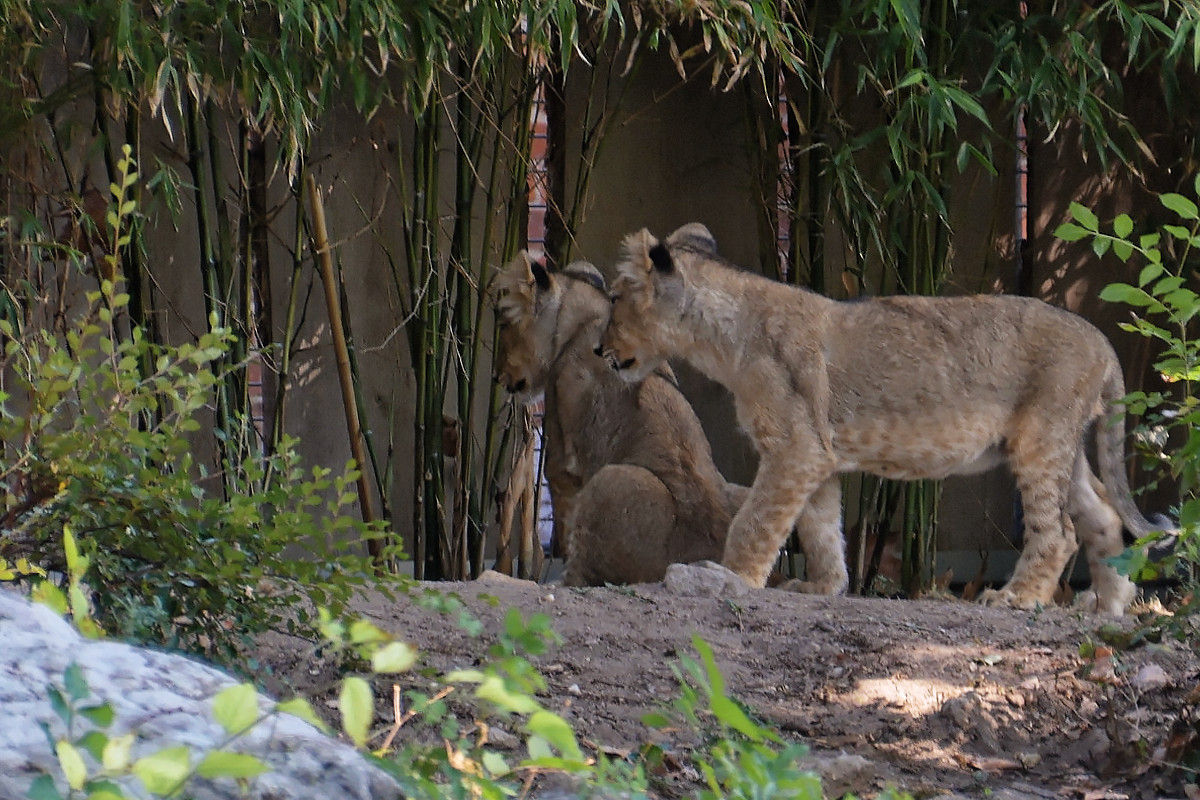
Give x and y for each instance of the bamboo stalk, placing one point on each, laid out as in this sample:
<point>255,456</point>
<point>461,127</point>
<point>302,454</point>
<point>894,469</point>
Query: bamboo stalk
<point>291,324</point>
<point>324,258</point>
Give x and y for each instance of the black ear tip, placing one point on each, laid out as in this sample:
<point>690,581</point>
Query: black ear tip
<point>661,258</point>
<point>540,274</point>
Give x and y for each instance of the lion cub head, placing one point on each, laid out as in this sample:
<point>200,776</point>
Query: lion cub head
<point>647,294</point>
<point>529,302</point>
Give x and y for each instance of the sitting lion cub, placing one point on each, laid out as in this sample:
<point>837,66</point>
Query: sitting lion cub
<point>902,387</point>
<point>631,475</point>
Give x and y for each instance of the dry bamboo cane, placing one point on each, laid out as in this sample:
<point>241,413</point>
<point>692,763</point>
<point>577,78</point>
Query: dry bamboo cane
<point>353,428</point>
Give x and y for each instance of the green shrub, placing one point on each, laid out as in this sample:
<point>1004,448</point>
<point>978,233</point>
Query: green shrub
<point>1166,307</point>
<point>101,448</point>
<point>99,429</point>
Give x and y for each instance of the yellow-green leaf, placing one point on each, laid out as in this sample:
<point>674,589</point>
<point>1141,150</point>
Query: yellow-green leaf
<point>494,691</point>
<point>165,771</point>
<point>394,657</point>
<point>117,753</point>
<point>236,708</point>
<point>70,550</point>
<point>299,707</point>
<point>358,708</point>
<point>555,730</point>
<point>219,764</point>
<point>25,567</point>
<point>495,764</point>
<point>72,764</point>
<point>363,632</point>
<point>50,595</point>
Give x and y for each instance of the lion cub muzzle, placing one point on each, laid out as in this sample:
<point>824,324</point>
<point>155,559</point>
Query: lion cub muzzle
<point>510,382</point>
<point>613,361</point>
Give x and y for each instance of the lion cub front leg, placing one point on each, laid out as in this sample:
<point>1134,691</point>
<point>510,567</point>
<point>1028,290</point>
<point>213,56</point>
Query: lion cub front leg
<point>779,494</point>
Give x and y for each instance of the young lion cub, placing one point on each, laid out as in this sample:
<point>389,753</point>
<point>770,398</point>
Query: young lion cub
<point>632,480</point>
<point>902,387</point>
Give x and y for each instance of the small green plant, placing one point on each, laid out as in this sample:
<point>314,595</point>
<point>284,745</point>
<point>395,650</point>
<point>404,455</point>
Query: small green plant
<point>1166,306</point>
<point>740,758</point>
<point>505,687</point>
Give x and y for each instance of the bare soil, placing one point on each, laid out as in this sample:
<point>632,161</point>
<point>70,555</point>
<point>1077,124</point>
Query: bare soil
<point>934,696</point>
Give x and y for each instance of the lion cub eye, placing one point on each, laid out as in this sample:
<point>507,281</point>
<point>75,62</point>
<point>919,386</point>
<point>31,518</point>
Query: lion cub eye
<point>613,298</point>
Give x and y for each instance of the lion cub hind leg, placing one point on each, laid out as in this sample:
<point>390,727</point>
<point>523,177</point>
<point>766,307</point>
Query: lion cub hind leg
<point>620,526</point>
<point>820,529</point>
<point>1043,472</point>
<point>1098,527</point>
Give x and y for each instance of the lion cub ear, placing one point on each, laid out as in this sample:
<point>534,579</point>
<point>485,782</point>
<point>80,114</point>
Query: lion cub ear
<point>510,278</point>
<point>646,253</point>
<point>695,236</point>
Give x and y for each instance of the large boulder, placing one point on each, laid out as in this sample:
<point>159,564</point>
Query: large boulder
<point>166,700</point>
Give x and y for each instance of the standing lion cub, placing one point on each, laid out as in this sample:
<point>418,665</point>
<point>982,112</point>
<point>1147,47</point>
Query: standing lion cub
<point>902,387</point>
<point>632,480</point>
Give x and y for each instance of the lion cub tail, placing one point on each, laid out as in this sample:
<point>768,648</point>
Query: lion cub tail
<point>1110,453</point>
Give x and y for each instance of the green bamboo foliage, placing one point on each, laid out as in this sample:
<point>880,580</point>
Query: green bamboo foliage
<point>240,88</point>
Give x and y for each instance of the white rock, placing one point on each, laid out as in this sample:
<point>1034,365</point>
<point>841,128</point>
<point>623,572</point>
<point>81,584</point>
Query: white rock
<point>1149,677</point>
<point>167,700</point>
<point>704,579</point>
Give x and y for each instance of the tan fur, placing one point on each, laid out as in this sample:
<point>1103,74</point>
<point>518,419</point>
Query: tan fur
<point>631,475</point>
<point>903,387</point>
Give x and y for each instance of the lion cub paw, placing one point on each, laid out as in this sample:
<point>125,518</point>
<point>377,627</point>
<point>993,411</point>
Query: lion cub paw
<point>1091,602</point>
<point>1007,598</point>
<point>811,587</point>
<point>704,579</point>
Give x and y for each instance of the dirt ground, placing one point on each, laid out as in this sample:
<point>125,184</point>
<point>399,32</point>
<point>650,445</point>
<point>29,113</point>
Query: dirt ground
<point>935,696</point>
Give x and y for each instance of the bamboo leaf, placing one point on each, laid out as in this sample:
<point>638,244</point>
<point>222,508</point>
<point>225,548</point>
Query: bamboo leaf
<point>912,78</point>
<point>101,715</point>
<point>494,691</point>
<point>909,15</point>
<point>364,632</point>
